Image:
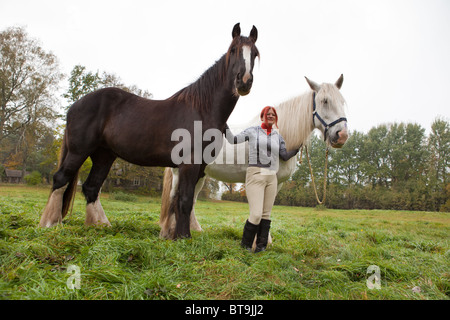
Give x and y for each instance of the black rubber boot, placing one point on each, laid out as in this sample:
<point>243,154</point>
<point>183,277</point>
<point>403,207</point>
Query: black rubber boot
<point>263,235</point>
<point>248,235</point>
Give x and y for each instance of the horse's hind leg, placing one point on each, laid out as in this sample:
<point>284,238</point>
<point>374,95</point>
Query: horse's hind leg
<point>193,220</point>
<point>168,216</point>
<point>168,227</point>
<point>102,161</point>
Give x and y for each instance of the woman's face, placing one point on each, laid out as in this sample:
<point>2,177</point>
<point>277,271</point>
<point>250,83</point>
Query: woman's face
<point>270,116</point>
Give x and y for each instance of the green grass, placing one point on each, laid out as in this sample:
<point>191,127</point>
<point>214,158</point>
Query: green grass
<point>316,254</point>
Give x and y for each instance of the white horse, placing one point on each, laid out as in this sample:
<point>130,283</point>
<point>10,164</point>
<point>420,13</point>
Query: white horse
<point>321,108</point>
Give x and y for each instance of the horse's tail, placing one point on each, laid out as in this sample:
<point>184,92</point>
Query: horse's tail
<point>69,193</point>
<point>165,215</point>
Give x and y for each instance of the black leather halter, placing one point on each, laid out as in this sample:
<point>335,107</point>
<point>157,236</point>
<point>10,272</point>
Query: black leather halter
<point>326,125</point>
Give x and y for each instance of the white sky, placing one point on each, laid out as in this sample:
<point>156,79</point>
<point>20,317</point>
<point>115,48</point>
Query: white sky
<point>395,54</point>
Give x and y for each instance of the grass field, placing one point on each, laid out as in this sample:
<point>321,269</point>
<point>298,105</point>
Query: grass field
<point>316,254</point>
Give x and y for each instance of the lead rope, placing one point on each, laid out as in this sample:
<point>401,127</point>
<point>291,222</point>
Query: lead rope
<point>312,175</point>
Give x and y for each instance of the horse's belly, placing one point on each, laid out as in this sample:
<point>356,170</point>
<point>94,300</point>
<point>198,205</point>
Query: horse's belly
<point>232,173</point>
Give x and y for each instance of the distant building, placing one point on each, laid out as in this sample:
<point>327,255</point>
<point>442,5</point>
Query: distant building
<point>13,176</point>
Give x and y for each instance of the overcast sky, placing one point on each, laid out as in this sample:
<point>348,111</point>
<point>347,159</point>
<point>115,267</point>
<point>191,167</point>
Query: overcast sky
<point>394,54</point>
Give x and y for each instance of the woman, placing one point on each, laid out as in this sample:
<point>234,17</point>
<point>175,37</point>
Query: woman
<point>265,147</point>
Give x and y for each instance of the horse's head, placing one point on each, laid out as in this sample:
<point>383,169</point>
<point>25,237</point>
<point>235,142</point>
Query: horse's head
<point>240,59</point>
<point>328,112</point>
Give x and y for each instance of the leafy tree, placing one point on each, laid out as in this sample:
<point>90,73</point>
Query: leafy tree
<point>81,82</point>
<point>439,146</point>
<point>375,153</point>
<point>29,76</point>
<point>407,152</point>
<point>439,163</point>
<point>345,163</point>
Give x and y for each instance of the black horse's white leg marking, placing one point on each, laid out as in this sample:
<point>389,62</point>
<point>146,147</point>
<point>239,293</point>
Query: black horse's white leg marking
<point>95,215</point>
<point>52,214</point>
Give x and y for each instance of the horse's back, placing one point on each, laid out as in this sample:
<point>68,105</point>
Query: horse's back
<point>88,117</point>
<point>99,101</point>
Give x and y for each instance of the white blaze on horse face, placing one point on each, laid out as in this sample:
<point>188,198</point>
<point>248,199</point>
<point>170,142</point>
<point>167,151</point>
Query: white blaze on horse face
<point>246,52</point>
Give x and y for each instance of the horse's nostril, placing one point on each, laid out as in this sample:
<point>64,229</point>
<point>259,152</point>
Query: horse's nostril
<point>341,136</point>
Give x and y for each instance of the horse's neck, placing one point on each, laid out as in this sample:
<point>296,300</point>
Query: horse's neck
<point>296,120</point>
<point>224,98</point>
<point>213,94</point>
<point>224,103</point>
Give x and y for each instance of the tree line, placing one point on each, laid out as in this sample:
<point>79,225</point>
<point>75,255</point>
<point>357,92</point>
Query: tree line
<point>393,166</point>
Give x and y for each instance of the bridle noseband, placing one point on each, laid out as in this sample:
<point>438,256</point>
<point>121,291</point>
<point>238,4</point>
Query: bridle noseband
<point>326,125</point>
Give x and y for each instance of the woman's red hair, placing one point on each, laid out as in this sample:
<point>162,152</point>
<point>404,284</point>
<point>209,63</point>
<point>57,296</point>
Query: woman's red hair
<point>263,116</point>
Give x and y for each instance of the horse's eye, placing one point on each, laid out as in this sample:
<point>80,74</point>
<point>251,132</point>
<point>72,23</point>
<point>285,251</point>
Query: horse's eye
<point>325,101</point>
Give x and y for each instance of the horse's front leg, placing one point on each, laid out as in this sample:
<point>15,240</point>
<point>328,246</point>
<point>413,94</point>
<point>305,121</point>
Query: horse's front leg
<point>188,177</point>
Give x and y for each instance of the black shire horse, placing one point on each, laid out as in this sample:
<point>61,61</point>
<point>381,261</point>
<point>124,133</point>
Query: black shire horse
<point>111,123</point>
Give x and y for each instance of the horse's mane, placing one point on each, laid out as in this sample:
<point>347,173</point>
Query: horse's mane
<point>199,94</point>
<point>295,120</point>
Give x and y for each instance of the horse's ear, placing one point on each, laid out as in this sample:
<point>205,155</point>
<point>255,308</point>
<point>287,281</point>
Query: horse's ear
<point>314,86</point>
<point>254,34</point>
<point>339,81</point>
<point>236,30</point>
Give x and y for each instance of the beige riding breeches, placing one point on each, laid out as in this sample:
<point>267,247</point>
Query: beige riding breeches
<point>261,188</point>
